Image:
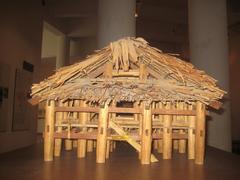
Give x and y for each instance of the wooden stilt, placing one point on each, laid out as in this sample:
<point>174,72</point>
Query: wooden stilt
<point>75,116</point>
<point>74,143</point>
<point>58,141</point>
<point>182,142</point>
<point>191,135</point>
<point>49,130</point>
<point>108,149</point>
<point>140,118</point>
<point>160,146</point>
<point>200,133</point>
<point>146,136</point>
<point>68,144</point>
<point>155,144</point>
<point>111,146</point>
<point>167,134</point>
<point>102,134</point>
<point>160,141</point>
<point>82,143</point>
<point>90,143</point>
<point>114,144</point>
<point>175,144</point>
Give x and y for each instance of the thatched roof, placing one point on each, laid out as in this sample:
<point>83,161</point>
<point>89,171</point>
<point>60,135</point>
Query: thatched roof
<point>170,79</point>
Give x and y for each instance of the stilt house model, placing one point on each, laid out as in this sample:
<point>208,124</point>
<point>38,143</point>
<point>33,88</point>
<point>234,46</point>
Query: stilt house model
<point>128,91</point>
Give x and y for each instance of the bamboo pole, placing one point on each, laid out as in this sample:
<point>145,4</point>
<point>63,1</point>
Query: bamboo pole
<point>58,141</point>
<point>146,136</point>
<point>191,135</point>
<point>102,134</point>
<point>200,133</point>
<point>49,130</point>
<point>167,134</point>
<point>82,143</point>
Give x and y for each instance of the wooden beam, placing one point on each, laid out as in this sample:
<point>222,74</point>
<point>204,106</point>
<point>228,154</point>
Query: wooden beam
<point>102,134</point>
<point>130,73</point>
<point>200,133</point>
<point>125,110</point>
<point>49,131</point>
<point>77,109</point>
<point>128,138</point>
<point>174,112</point>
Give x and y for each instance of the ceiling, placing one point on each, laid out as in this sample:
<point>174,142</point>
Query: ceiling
<point>164,23</point>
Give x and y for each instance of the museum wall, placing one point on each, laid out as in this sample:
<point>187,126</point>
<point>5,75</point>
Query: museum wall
<point>21,40</point>
<point>234,46</point>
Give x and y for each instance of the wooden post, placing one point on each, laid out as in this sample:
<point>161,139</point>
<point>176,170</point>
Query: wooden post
<point>175,144</point>
<point>94,143</point>
<point>90,143</point>
<point>82,143</point>
<point>160,146</point>
<point>160,141</point>
<point>146,136</point>
<point>68,142</point>
<point>200,133</point>
<point>75,116</point>
<point>140,129</point>
<point>182,142</point>
<point>142,76</point>
<point>108,149</point>
<point>167,134</point>
<point>191,135</point>
<point>102,134</point>
<point>74,143</point>
<point>58,141</point>
<point>49,130</point>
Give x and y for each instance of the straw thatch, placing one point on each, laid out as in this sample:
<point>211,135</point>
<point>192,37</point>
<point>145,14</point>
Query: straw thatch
<point>170,79</point>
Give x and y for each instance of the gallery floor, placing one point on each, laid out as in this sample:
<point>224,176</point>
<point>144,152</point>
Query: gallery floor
<point>27,163</point>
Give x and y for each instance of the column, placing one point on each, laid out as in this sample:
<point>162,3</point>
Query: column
<point>63,51</point>
<point>115,20</point>
<point>209,52</point>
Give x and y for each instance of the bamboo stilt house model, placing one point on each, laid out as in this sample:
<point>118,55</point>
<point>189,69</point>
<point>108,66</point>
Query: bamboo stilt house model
<point>128,91</point>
